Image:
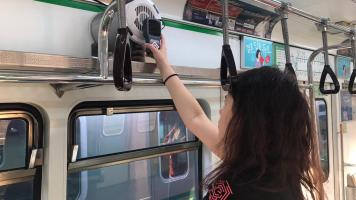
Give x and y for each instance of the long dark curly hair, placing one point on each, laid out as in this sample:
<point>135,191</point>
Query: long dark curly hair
<point>271,140</point>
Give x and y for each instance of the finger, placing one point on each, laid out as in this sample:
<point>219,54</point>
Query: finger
<point>155,52</point>
<point>153,49</point>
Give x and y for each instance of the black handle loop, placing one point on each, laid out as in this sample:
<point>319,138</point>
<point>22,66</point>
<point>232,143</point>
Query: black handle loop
<point>227,65</point>
<point>122,68</point>
<point>290,70</point>
<point>352,82</point>
<point>327,70</point>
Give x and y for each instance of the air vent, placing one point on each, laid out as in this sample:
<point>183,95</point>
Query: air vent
<point>142,13</point>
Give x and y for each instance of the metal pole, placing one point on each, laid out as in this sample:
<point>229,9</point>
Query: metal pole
<point>316,52</point>
<point>88,79</point>
<point>311,74</point>
<point>342,161</point>
<point>103,42</point>
<point>284,13</point>
<point>121,9</point>
<point>226,21</point>
<point>353,45</point>
<point>325,40</point>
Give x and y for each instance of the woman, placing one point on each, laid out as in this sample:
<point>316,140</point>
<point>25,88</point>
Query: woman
<point>259,59</point>
<point>265,136</point>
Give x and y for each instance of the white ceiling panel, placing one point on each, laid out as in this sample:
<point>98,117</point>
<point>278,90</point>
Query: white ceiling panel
<point>336,10</point>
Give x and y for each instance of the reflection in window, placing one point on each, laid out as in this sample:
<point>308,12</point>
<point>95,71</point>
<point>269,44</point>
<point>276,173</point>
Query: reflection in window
<point>174,166</point>
<point>133,181</point>
<point>99,135</point>
<point>171,128</point>
<point>20,191</point>
<point>113,125</point>
<point>146,122</point>
<point>171,131</point>
<point>322,116</point>
<point>13,143</point>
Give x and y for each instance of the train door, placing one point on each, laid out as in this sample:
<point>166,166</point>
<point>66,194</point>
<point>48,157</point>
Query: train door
<point>324,114</point>
<point>348,144</point>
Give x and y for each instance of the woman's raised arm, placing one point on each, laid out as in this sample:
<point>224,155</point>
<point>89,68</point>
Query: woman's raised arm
<point>187,106</point>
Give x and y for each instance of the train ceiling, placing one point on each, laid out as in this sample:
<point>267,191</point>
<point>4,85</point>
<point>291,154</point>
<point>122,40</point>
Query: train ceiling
<point>336,10</point>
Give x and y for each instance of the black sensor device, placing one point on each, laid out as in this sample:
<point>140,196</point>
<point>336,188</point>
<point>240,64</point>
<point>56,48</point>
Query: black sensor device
<point>152,32</point>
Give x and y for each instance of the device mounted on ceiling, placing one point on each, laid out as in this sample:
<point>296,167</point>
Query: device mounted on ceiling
<point>136,13</point>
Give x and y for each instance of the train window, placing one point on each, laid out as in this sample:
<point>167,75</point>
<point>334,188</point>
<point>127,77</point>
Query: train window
<point>145,153</point>
<point>113,125</point>
<point>132,181</point>
<point>174,166</point>
<point>98,135</point>
<point>322,117</point>
<point>21,190</point>
<point>13,137</point>
<point>20,152</point>
<point>146,122</point>
<point>172,130</point>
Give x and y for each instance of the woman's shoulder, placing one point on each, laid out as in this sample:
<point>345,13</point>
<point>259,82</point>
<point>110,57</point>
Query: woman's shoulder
<point>225,190</point>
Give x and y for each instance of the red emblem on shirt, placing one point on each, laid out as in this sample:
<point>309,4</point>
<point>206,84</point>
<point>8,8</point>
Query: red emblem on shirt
<point>220,191</point>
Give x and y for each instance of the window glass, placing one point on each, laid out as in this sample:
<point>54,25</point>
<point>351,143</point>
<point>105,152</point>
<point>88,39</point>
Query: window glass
<point>20,191</point>
<point>171,129</point>
<point>113,125</point>
<point>13,143</point>
<point>174,166</point>
<point>101,135</point>
<point>321,113</point>
<point>136,180</point>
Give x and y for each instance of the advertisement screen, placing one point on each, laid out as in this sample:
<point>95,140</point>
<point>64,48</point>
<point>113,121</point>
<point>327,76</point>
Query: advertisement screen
<point>343,67</point>
<point>243,17</point>
<point>257,53</point>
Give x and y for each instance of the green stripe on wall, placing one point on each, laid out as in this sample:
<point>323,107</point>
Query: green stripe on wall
<point>99,8</point>
<point>76,4</point>
<point>191,27</point>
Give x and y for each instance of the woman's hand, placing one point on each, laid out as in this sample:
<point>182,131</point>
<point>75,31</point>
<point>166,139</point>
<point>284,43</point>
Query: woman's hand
<point>161,58</point>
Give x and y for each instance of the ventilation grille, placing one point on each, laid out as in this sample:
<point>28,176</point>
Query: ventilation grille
<point>142,13</point>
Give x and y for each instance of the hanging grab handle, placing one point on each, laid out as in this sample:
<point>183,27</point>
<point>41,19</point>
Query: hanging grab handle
<point>327,70</point>
<point>352,82</point>
<point>228,72</point>
<point>227,66</point>
<point>122,68</point>
<point>353,75</point>
<point>283,10</point>
<point>290,70</point>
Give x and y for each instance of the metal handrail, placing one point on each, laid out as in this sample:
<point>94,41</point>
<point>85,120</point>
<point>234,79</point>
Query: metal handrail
<point>311,74</point>
<point>132,156</point>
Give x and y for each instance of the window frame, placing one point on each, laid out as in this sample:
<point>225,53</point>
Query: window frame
<point>327,128</point>
<point>29,132</point>
<point>34,140</point>
<point>122,107</point>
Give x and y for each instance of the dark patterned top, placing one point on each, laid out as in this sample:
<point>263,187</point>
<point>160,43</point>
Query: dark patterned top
<point>222,190</point>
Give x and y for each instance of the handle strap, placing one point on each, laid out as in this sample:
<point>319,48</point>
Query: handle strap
<point>352,82</point>
<point>122,68</point>
<point>228,72</point>
<point>327,70</point>
<point>290,70</point>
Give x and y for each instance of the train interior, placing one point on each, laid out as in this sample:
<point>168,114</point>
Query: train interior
<point>74,125</point>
